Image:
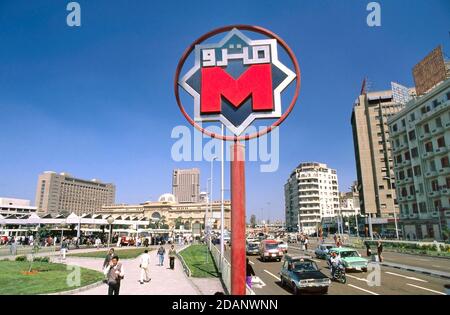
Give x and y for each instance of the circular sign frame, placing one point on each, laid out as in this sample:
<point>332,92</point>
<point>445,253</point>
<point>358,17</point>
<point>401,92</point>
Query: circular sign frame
<point>255,29</point>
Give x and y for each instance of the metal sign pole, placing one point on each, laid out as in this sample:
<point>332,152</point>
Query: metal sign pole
<point>238,263</point>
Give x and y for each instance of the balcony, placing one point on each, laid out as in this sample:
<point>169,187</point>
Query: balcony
<point>435,214</point>
<point>441,150</point>
<point>444,170</point>
<point>445,192</point>
<point>447,124</point>
<point>437,130</point>
<point>406,162</point>
<point>413,215</point>
<point>407,180</point>
<point>431,174</point>
<point>447,213</point>
<point>424,216</point>
<point>427,155</point>
<point>403,216</point>
<point>411,197</point>
<point>425,135</point>
<point>433,193</point>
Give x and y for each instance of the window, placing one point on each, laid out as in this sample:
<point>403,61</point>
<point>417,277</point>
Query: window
<point>401,175</point>
<point>423,207</point>
<point>409,172</point>
<point>414,152</point>
<point>434,185</point>
<point>404,192</point>
<point>421,188</point>
<point>412,117</point>
<point>437,205</point>
<point>438,122</point>
<point>407,156</point>
<point>417,171</point>
<point>403,123</point>
<point>448,96</point>
<point>436,103</point>
<point>412,135</point>
<point>414,208</point>
<point>447,182</point>
<point>399,158</point>
<point>444,162</point>
<point>426,128</point>
<point>441,142</point>
<point>412,190</point>
<point>394,127</point>
<point>432,166</point>
<point>429,147</point>
<point>380,187</point>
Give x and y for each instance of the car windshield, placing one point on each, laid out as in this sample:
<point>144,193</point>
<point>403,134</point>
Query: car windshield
<point>350,253</point>
<point>305,266</point>
<point>252,246</point>
<point>271,246</point>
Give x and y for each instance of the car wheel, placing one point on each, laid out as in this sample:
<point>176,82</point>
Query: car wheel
<point>364,269</point>
<point>324,291</point>
<point>296,291</point>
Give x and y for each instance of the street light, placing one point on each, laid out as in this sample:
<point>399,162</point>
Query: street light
<point>110,221</point>
<point>395,213</point>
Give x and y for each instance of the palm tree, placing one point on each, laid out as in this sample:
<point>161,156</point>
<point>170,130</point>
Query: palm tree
<point>162,221</point>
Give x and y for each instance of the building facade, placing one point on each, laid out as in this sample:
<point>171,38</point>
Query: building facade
<point>420,136</point>
<point>349,202</point>
<point>373,155</point>
<point>17,207</point>
<point>168,211</point>
<point>311,195</point>
<point>64,194</point>
<point>186,185</point>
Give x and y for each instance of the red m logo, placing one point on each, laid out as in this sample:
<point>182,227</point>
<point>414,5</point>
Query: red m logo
<point>255,81</point>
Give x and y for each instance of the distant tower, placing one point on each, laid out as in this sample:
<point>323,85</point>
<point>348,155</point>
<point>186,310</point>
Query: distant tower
<point>186,185</point>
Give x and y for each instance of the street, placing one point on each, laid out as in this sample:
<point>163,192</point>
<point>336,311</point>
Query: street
<point>393,281</point>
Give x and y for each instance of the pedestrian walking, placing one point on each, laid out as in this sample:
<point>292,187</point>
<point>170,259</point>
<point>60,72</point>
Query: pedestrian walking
<point>114,274</point>
<point>144,265</point>
<point>98,242</point>
<point>249,273</point>
<point>108,258</point>
<point>380,250</point>
<point>306,243</point>
<point>64,247</point>
<point>161,251</point>
<point>172,254</point>
<point>368,250</point>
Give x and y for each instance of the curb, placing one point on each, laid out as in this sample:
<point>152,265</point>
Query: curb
<point>429,273</point>
<point>70,292</point>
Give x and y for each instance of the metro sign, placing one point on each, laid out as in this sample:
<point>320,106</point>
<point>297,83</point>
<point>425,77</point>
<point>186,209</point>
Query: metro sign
<point>237,81</point>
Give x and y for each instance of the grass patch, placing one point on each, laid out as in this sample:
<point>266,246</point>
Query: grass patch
<point>50,278</point>
<point>122,253</point>
<point>195,258</point>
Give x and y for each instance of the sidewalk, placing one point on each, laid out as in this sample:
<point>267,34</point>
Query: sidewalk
<point>164,281</point>
<point>430,272</point>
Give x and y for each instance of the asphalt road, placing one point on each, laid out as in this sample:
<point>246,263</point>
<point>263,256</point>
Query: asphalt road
<point>392,281</point>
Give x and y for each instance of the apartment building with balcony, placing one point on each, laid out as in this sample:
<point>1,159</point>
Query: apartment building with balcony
<point>311,195</point>
<point>420,137</point>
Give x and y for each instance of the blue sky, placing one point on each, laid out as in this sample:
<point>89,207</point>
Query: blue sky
<point>97,101</point>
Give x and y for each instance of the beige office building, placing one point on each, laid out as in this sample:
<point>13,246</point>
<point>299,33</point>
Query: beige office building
<point>421,140</point>
<point>186,185</point>
<point>374,164</point>
<point>167,211</point>
<point>63,193</point>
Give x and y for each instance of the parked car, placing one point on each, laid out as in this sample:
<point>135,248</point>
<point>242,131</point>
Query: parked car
<point>322,250</point>
<point>269,250</point>
<point>252,248</point>
<point>351,259</point>
<point>302,275</point>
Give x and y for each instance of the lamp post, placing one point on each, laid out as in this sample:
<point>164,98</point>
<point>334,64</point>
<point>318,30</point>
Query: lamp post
<point>222,193</point>
<point>110,221</point>
<point>395,213</point>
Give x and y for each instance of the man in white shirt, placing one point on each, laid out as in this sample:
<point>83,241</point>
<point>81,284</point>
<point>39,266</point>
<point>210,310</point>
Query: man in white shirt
<point>144,265</point>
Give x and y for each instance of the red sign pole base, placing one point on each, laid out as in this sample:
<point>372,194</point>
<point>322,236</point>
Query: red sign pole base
<point>238,254</point>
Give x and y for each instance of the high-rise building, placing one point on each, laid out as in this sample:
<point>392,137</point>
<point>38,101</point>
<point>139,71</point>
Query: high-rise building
<point>186,185</point>
<point>373,154</point>
<point>420,136</point>
<point>311,195</point>
<point>63,193</point>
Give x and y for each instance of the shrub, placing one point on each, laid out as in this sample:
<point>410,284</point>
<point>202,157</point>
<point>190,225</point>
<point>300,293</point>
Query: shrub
<point>21,258</point>
<point>42,259</point>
